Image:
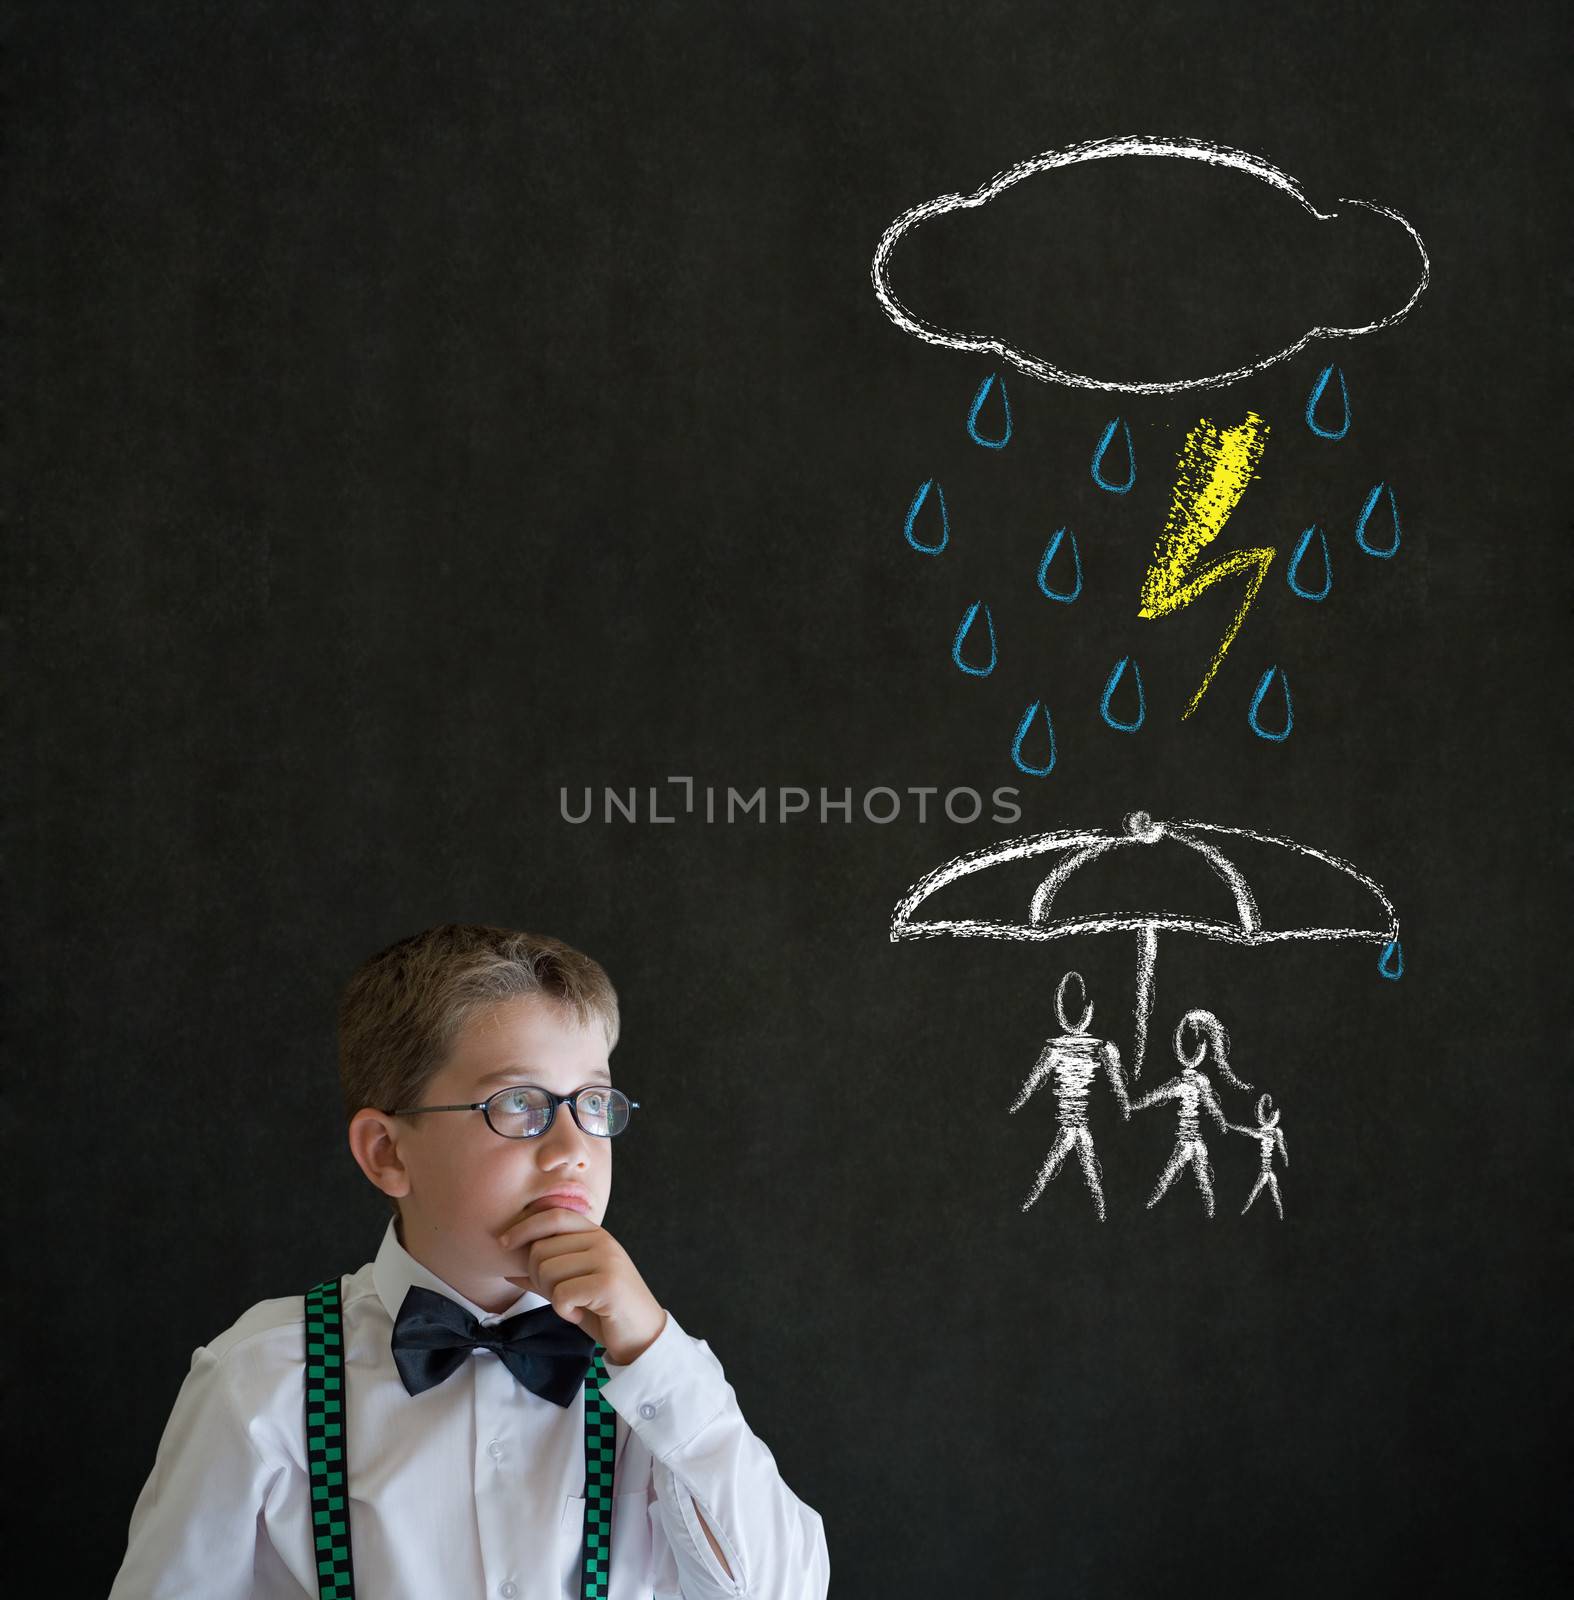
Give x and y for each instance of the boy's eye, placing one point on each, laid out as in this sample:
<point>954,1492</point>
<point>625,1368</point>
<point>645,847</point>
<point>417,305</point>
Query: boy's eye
<point>593,1102</point>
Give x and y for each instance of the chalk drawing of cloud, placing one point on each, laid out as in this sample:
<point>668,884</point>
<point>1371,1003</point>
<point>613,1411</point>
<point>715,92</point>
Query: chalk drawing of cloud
<point>1097,150</point>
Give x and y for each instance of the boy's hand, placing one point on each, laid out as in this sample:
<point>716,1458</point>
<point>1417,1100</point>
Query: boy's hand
<point>588,1277</point>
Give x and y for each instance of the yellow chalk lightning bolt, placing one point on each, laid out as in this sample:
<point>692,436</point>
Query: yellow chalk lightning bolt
<point>1214,467</point>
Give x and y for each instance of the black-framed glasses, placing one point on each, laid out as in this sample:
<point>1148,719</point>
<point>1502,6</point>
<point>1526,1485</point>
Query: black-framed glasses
<point>526,1110</point>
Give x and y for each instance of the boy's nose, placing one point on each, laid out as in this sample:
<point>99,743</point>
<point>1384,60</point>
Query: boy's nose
<point>563,1141</point>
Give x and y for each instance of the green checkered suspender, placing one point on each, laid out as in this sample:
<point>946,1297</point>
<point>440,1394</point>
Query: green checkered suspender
<point>600,1427</point>
<point>325,1446</point>
<point>325,1441</point>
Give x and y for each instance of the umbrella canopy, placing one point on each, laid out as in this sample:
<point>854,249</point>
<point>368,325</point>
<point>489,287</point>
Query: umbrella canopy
<point>1069,851</point>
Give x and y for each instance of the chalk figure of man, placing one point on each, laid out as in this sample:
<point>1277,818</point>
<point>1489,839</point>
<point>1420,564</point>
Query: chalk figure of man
<point>1073,1060</point>
<point>1193,1094</point>
<point>1270,1137</point>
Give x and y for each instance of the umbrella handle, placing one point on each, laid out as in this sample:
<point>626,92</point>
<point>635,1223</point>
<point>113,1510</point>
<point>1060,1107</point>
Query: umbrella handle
<point>1147,956</point>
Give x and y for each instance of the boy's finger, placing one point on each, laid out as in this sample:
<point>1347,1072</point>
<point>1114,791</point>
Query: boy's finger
<point>539,1251</point>
<point>548,1274</point>
<point>585,1291</point>
<point>543,1224</point>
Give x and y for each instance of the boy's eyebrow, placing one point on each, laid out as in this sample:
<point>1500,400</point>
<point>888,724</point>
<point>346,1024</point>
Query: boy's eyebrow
<point>503,1075</point>
<point>522,1074</point>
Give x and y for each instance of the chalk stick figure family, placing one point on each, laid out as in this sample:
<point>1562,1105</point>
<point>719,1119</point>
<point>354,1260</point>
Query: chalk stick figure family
<point>1073,1060</point>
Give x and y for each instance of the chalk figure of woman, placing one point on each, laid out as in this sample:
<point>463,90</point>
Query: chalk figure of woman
<point>1195,1034</point>
<point>1270,1137</point>
<point>1073,1060</point>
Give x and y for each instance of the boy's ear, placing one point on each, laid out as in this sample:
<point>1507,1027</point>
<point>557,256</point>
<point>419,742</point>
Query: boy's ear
<point>375,1146</point>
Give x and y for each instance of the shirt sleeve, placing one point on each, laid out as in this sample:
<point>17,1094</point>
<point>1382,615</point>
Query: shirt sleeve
<point>196,1525</point>
<point>675,1397</point>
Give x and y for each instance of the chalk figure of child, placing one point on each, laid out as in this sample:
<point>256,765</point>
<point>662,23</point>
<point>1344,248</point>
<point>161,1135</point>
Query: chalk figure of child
<point>1270,1138</point>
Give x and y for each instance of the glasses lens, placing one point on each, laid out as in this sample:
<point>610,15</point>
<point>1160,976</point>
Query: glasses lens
<point>602,1111</point>
<point>520,1113</point>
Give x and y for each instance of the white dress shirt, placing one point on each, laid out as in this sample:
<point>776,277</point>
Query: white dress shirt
<point>471,1490</point>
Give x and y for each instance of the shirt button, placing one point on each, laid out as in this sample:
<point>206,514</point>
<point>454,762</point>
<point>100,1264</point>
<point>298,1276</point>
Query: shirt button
<point>495,1450</point>
<point>648,1409</point>
<point>508,1589</point>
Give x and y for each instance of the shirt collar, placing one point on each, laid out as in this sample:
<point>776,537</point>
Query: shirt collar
<point>395,1270</point>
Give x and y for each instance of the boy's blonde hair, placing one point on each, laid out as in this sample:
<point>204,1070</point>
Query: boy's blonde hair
<point>403,1009</point>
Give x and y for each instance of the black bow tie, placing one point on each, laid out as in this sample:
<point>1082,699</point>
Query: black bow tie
<point>432,1334</point>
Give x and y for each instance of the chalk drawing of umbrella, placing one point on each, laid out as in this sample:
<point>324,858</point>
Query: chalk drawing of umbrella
<point>1073,850</point>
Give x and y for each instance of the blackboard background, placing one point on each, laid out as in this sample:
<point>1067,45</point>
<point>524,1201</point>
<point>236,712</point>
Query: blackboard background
<point>415,410</point>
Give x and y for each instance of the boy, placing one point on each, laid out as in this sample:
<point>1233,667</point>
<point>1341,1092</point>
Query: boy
<point>468,1455</point>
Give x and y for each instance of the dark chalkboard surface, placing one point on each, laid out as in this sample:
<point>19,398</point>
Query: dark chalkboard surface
<point>434,424</point>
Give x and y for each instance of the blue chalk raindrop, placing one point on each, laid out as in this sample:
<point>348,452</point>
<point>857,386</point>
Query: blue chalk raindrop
<point>1392,962</point>
<point>1021,735</point>
<point>1366,512</point>
<point>1294,573</point>
<point>1109,690</point>
<point>1257,699</point>
<point>1098,459</point>
<point>961,635</point>
<point>912,517</point>
<point>1050,551</point>
<point>1003,438</point>
<point>1317,394</point>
